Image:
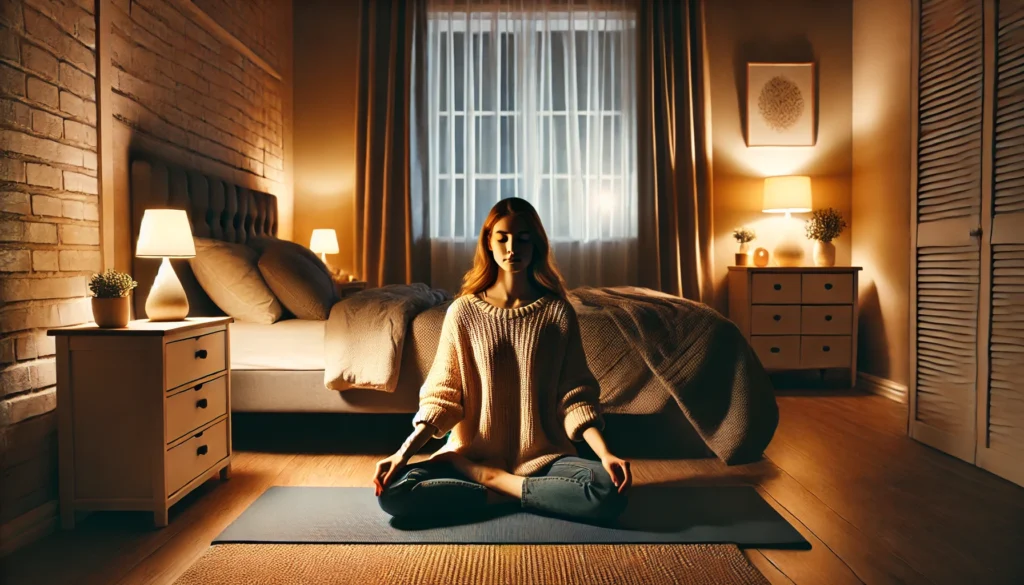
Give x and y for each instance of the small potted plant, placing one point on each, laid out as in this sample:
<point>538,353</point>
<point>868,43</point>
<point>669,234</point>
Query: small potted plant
<point>744,236</point>
<point>824,226</point>
<point>110,292</point>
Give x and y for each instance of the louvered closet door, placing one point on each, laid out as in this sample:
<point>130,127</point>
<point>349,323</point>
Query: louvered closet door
<point>1001,402</point>
<point>946,255</point>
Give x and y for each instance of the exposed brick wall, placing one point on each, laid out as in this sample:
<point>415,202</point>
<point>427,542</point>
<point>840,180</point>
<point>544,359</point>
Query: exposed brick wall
<point>252,22</point>
<point>175,81</point>
<point>49,225</point>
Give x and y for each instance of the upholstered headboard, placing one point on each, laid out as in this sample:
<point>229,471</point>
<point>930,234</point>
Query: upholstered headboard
<point>216,208</point>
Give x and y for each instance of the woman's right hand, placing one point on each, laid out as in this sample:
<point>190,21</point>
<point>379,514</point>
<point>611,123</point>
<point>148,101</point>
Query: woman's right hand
<point>386,469</point>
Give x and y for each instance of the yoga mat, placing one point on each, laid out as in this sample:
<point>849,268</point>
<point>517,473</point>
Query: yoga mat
<point>654,514</point>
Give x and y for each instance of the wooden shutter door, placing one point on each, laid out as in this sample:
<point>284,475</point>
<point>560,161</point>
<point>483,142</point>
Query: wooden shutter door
<point>945,219</point>
<point>1001,399</point>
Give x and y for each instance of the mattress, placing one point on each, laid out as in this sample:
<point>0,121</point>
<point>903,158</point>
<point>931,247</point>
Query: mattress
<point>290,344</point>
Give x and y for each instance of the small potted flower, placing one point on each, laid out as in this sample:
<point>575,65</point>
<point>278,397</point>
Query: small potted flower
<point>110,292</point>
<point>824,226</point>
<point>743,236</point>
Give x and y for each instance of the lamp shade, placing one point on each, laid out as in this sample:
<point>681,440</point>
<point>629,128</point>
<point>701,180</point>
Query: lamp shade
<point>165,233</point>
<point>787,194</point>
<point>324,241</point>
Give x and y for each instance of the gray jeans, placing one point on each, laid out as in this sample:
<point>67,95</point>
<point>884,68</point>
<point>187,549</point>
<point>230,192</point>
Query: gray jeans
<point>570,487</point>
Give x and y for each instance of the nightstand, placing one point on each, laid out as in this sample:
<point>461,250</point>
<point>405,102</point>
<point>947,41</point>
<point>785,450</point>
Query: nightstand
<point>143,413</point>
<point>344,288</point>
<point>797,318</point>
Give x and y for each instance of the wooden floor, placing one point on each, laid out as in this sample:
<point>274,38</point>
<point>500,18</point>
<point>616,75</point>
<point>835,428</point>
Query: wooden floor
<point>876,506</point>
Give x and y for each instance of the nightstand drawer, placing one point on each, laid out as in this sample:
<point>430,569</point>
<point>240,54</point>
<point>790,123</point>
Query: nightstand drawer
<point>783,289</point>
<point>193,358</point>
<point>827,320</point>
<point>196,455</point>
<point>775,319</point>
<point>825,351</point>
<point>777,352</point>
<point>190,409</point>
<point>826,289</point>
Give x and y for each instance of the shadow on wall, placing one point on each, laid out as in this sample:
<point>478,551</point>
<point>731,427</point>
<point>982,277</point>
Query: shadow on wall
<point>794,50</point>
<point>872,327</point>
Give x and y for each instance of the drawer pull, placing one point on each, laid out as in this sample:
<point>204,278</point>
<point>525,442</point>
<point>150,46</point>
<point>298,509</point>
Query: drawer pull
<point>825,348</point>
<point>197,436</point>
<point>775,350</point>
<point>828,317</point>
<point>202,450</point>
<point>777,317</point>
<point>828,286</point>
<point>777,286</point>
<point>198,387</point>
<point>201,403</point>
<point>201,354</point>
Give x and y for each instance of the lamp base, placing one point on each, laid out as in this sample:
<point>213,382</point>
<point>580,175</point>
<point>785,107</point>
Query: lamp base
<point>167,300</point>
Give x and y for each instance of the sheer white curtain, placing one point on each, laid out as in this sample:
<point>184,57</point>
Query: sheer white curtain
<point>534,99</point>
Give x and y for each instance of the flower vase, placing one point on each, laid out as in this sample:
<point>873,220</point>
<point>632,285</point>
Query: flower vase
<point>742,257</point>
<point>110,312</point>
<point>824,254</point>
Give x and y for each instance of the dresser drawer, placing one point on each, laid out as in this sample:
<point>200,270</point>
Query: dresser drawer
<point>193,358</point>
<point>777,352</point>
<point>190,459</point>
<point>825,351</point>
<point>777,288</point>
<point>775,319</point>
<point>826,289</point>
<point>196,406</point>
<point>827,320</point>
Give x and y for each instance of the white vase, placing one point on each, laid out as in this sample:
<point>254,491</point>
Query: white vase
<point>743,248</point>
<point>824,254</point>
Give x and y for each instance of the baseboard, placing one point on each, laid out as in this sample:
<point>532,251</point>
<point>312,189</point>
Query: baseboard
<point>31,526</point>
<point>882,387</point>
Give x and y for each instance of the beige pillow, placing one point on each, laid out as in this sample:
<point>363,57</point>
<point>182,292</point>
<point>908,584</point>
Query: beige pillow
<point>231,277</point>
<point>298,278</point>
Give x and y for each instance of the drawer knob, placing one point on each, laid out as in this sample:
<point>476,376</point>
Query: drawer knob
<point>201,403</point>
<point>828,286</point>
<point>201,354</point>
<point>828,317</point>
<point>825,348</point>
<point>778,286</point>
<point>202,450</point>
<point>777,317</point>
<point>198,387</point>
<point>775,350</point>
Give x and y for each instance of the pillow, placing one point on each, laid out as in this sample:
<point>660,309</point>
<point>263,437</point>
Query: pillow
<point>230,275</point>
<point>298,278</point>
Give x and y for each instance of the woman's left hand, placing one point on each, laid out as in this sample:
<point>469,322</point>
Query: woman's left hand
<point>618,469</point>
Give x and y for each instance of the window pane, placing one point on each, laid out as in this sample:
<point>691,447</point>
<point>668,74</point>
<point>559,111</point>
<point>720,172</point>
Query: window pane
<point>458,48</point>
<point>441,67</point>
<point>560,143</point>
<point>508,144</point>
<point>486,144</point>
<point>460,207</point>
<point>485,197</point>
<point>484,72</point>
<point>460,144</point>
<point>560,208</point>
<point>441,145</point>
<point>508,188</point>
<point>582,62</point>
<point>557,77</point>
<point>444,206</point>
<point>508,72</point>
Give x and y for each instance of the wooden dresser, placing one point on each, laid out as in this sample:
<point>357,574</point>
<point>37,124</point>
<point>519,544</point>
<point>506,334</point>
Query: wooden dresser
<point>143,414</point>
<point>797,318</point>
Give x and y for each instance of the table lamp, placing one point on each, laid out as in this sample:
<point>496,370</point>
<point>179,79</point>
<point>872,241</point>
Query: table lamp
<point>787,195</point>
<point>324,242</point>
<point>166,233</point>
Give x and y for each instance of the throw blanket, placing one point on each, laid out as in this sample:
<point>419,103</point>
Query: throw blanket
<point>365,334</point>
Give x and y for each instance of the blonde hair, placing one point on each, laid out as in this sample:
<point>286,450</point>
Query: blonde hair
<point>543,271</point>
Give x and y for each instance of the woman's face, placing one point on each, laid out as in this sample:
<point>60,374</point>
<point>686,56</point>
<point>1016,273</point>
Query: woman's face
<point>511,243</point>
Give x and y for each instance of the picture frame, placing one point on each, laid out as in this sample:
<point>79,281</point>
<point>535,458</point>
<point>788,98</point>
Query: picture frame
<point>781,104</point>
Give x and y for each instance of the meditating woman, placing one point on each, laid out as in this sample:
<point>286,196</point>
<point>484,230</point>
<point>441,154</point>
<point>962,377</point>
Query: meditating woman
<point>510,381</point>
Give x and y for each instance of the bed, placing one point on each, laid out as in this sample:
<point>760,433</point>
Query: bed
<point>652,354</point>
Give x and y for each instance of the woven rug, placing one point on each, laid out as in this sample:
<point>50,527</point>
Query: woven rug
<point>598,564</point>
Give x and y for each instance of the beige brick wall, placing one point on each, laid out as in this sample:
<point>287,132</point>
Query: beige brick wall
<point>49,228</point>
<point>252,22</point>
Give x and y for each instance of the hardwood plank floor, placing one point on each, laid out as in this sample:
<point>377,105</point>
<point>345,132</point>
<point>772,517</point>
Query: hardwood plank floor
<point>876,506</point>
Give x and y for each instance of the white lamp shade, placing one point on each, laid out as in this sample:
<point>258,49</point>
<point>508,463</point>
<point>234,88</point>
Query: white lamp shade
<point>787,194</point>
<point>324,241</point>
<point>165,233</point>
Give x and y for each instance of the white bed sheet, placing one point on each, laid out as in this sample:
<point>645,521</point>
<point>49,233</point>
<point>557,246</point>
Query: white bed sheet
<point>291,344</point>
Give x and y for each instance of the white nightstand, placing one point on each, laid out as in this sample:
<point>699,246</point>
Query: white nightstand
<point>144,414</point>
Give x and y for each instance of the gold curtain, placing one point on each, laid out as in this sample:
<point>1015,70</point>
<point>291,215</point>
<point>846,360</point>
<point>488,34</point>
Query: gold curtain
<point>674,154</point>
<point>391,201</point>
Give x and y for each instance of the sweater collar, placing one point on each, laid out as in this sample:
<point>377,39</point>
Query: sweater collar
<point>510,313</point>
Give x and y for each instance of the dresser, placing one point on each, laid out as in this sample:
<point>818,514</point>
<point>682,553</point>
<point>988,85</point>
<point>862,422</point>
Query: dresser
<point>798,318</point>
<point>143,414</point>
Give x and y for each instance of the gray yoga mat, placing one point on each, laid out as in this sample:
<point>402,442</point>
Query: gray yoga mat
<point>655,514</point>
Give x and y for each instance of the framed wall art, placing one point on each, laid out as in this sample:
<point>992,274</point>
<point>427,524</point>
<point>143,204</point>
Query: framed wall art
<point>780,104</point>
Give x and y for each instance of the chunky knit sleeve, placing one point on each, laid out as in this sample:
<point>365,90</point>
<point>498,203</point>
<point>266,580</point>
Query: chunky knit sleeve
<point>578,392</point>
<point>441,393</point>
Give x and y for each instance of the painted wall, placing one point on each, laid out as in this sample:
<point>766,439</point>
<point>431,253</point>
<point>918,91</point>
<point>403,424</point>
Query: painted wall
<point>881,183</point>
<point>326,60</point>
<point>739,31</point>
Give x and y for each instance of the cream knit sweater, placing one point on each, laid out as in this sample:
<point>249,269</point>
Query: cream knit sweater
<point>512,385</point>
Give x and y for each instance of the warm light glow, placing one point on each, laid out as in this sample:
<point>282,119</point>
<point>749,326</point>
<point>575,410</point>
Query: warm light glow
<point>324,241</point>
<point>606,202</point>
<point>165,233</point>
<point>787,194</point>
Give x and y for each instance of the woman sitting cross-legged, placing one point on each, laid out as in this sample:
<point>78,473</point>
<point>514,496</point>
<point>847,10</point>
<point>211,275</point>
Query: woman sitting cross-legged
<point>510,381</point>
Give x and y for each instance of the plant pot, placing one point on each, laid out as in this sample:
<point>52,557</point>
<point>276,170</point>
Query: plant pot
<point>111,312</point>
<point>742,259</point>
<point>824,254</point>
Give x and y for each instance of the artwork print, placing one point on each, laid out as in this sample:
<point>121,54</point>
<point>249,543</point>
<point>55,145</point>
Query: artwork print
<point>780,104</point>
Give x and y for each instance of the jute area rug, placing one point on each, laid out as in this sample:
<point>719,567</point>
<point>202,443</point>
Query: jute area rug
<point>604,564</point>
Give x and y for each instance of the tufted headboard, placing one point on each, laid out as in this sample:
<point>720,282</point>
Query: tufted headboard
<point>217,209</point>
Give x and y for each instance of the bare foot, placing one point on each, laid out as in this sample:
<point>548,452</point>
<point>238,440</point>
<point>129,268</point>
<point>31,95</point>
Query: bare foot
<point>478,472</point>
